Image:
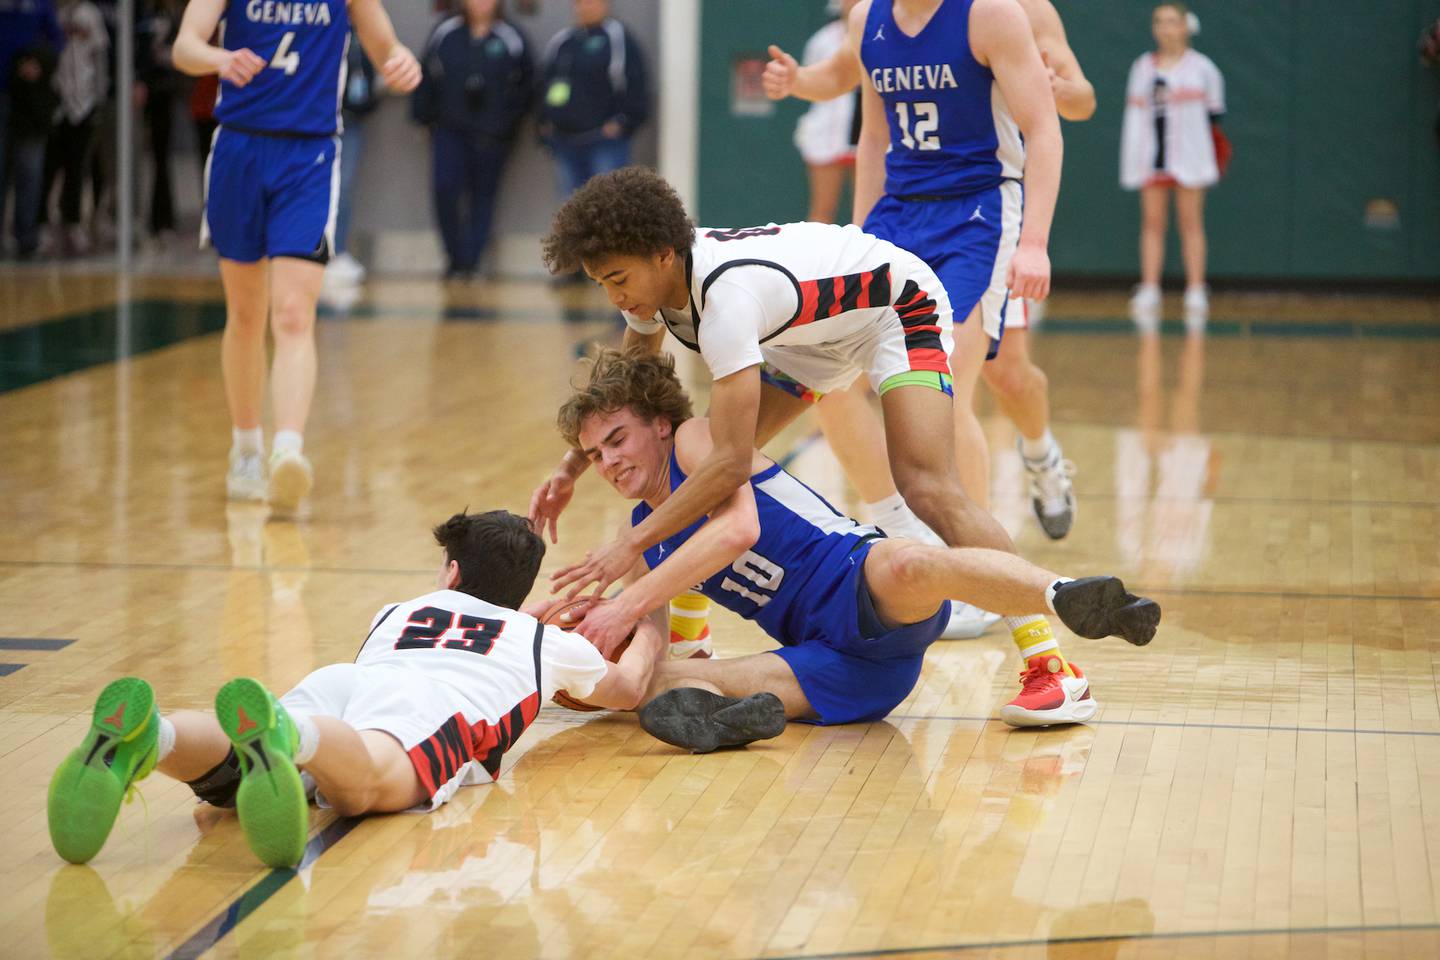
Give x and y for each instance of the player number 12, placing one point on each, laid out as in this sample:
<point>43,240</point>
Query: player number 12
<point>927,121</point>
<point>285,58</point>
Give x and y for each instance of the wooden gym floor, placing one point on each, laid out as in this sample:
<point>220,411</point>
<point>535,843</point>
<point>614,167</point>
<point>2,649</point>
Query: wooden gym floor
<point>1262,781</point>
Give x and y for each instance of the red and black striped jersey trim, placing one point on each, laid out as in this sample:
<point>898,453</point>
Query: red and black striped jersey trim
<point>923,346</point>
<point>831,296</point>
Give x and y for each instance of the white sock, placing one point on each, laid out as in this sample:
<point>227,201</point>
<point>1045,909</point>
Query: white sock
<point>1015,623</point>
<point>894,516</point>
<point>1039,448</point>
<point>309,736</point>
<point>247,441</point>
<point>166,743</point>
<point>287,441</point>
<point>1050,593</point>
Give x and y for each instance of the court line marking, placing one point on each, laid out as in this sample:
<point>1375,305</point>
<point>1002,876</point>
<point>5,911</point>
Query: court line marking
<point>33,643</point>
<point>1174,724</point>
<point>255,895</point>
<point>1109,938</point>
<point>8,668</point>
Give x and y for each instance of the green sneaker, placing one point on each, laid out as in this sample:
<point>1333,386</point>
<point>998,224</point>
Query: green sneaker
<point>89,785</point>
<point>271,800</point>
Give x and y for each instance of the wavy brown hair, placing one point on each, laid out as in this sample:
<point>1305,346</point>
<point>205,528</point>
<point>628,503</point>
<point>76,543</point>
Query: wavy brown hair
<point>646,383</point>
<point>631,212</point>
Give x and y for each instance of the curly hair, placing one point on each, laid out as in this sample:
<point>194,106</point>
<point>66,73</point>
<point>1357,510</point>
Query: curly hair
<point>646,383</point>
<point>631,212</point>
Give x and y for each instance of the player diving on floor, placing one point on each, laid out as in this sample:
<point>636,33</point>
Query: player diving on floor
<point>853,609</point>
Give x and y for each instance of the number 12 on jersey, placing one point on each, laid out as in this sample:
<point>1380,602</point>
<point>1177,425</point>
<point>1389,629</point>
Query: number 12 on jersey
<point>927,121</point>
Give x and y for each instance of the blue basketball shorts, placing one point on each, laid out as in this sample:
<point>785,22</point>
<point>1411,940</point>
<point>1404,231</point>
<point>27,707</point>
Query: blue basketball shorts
<point>271,196</point>
<point>851,667</point>
<point>967,240</point>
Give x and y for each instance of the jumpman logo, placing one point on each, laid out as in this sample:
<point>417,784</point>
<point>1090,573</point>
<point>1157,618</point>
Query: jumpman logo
<point>661,551</point>
<point>117,718</point>
<point>977,215</point>
<point>245,722</point>
<point>879,32</point>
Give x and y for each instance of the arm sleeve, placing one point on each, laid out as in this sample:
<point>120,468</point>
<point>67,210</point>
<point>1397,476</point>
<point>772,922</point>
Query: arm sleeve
<point>635,104</point>
<point>1214,90</point>
<point>570,663</point>
<point>745,305</point>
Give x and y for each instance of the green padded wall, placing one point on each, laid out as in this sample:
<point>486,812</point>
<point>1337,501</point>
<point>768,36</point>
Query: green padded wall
<point>1329,109</point>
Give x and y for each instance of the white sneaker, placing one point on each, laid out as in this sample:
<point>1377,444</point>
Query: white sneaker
<point>345,269</point>
<point>246,479</point>
<point>1145,308</point>
<point>1052,492</point>
<point>291,477</point>
<point>967,621</point>
<point>1197,308</point>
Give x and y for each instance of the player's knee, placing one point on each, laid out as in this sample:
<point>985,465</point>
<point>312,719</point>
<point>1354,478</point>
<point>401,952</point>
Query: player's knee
<point>929,492</point>
<point>294,317</point>
<point>1015,379</point>
<point>907,562</point>
<point>352,801</point>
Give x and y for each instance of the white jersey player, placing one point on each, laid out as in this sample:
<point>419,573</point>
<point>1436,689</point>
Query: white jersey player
<point>443,686</point>
<point>821,303</point>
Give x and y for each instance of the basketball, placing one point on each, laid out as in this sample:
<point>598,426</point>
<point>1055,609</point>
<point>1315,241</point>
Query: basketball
<point>567,614</point>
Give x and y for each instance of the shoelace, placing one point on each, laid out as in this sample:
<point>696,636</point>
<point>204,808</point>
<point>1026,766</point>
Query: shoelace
<point>1037,678</point>
<point>1050,480</point>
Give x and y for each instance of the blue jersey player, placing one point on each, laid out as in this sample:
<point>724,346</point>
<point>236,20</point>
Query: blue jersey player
<point>945,106</point>
<point>271,188</point>
<point>853,609</point>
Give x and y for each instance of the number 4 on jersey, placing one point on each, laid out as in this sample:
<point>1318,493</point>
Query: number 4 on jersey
<point>285,58</point>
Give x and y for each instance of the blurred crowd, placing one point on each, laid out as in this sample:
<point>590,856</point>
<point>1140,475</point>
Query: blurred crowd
<point>587,90</point>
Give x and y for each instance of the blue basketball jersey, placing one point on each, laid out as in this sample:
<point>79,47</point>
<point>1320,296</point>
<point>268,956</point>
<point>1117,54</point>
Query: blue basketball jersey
<point>303,44</point>
<point>950,130</point>
<point>786,581</point>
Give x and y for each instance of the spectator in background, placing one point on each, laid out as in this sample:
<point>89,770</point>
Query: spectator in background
<point>361,97</point>
<point>202,113</point>
<point>826,133</point>
<point>1171,143</point>
<point>476,89</point>
<point>595,94</point>
<point>30,40</point>
<point>82,82</point>
<point>158,84</point>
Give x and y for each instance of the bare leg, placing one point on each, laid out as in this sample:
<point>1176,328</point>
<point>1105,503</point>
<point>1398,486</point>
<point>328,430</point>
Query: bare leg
<point>295,286</point>
<point>1154,210</point>
<point>857,437</point>
<point>778,410</point>
<point>735,677</point>
<point>242,346</point>
<point>970,450</point>
<point>909,580</point>
<point>1190,213</point>
<point>200,745</point>
<point>1020,387</point>
<point>364,771</point>
<point>826,182</point>
<point>917,422</point>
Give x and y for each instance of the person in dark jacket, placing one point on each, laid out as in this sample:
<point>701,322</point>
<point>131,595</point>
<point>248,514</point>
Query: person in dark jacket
<point>477,86</point>
<point>30,43</point>
<point>596,95</point>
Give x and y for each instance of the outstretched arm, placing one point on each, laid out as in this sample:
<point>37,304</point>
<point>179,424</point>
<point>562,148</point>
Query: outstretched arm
<point>826,79</point>
<point>626,681</point>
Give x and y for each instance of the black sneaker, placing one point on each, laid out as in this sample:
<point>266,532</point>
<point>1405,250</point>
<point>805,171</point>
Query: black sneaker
<point>701,721</point>
<point>1096,607</point>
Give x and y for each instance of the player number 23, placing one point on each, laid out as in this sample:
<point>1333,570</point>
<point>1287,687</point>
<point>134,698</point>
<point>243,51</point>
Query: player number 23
<point>757,572</point>
<point>927,121</point>
<point>427,627</point>
<point>285,58</point>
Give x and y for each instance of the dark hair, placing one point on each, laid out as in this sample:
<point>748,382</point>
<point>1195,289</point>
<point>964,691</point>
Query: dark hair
<point>499,554</point>
<point>646,383</point>
<point>631,212</point>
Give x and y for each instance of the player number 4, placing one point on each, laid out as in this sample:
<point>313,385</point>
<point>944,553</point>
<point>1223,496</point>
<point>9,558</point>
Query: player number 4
<point>285,58</point>
<point>927,121</point>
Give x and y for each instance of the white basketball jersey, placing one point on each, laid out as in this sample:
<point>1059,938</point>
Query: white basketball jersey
<point>496,657</point>
<point>783,284</point>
